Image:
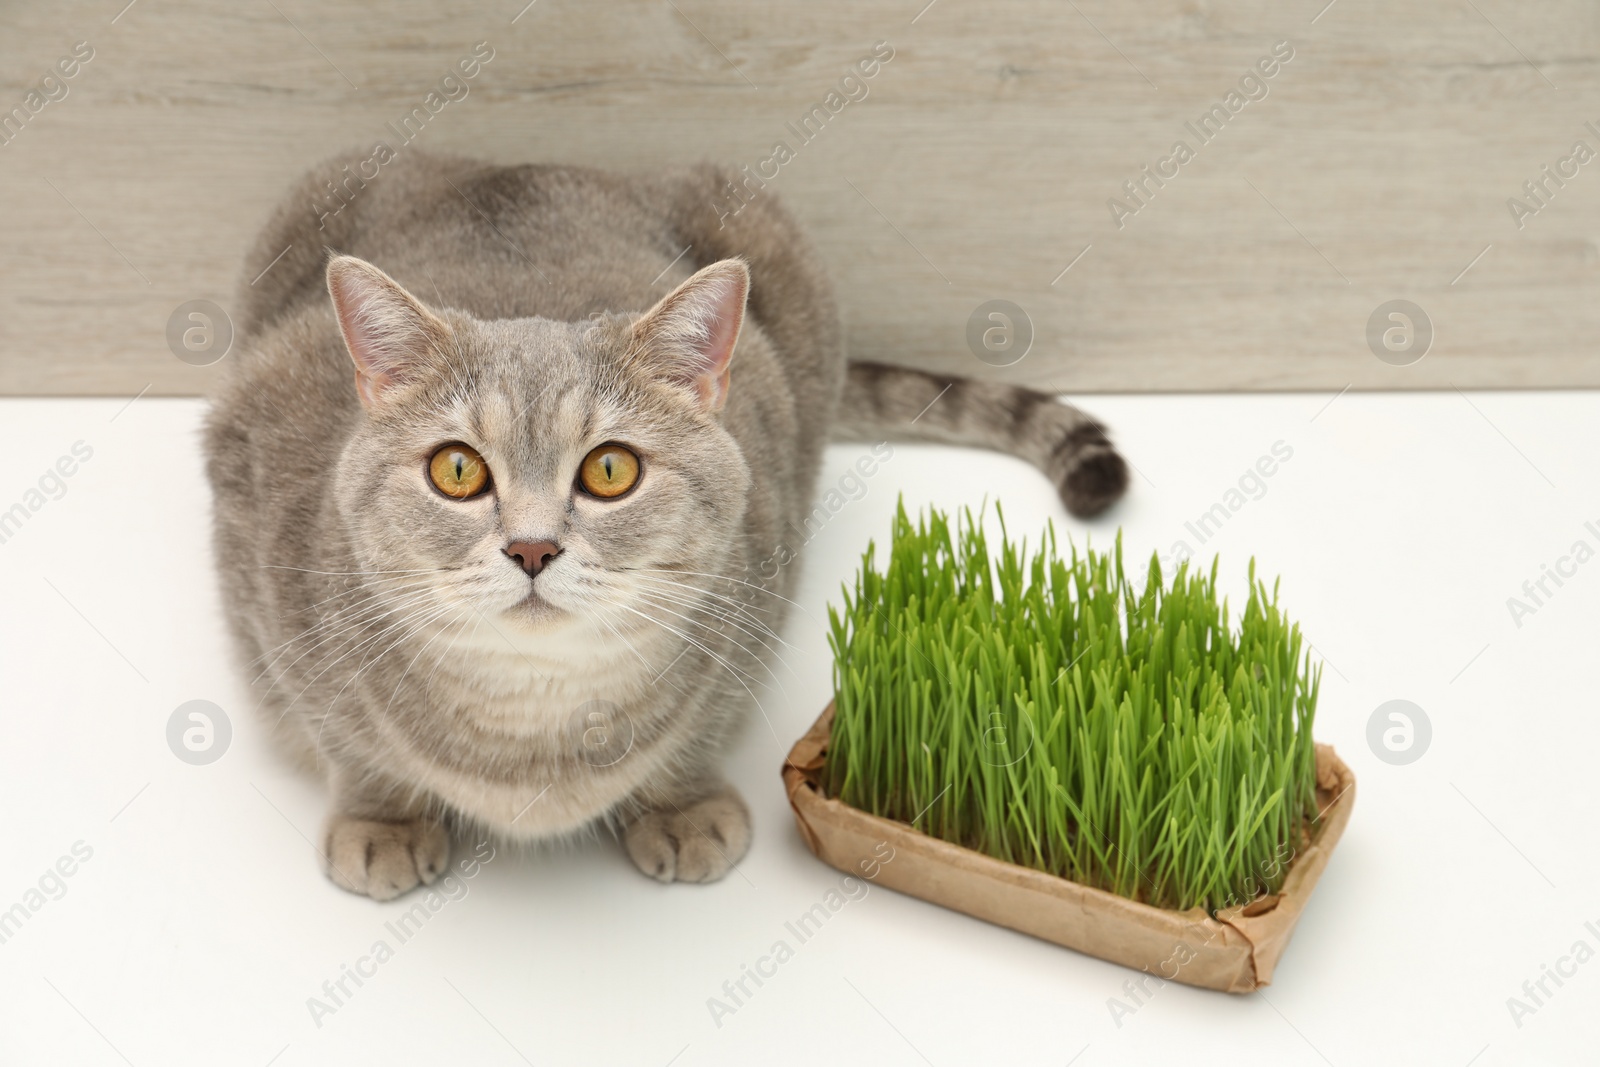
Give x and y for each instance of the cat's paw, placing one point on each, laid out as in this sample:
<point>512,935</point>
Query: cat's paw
<point>698,842</point>
<point>384,859</point>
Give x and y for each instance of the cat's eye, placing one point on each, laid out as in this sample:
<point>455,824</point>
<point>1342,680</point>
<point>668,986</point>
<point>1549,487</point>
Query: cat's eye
<point>609,471</point>
<point>458,471</point>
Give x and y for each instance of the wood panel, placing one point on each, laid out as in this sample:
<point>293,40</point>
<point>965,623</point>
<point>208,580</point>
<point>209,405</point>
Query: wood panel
<point>979,165</point>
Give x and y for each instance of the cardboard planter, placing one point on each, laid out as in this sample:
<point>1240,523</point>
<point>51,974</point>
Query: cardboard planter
<point>1235,952</point>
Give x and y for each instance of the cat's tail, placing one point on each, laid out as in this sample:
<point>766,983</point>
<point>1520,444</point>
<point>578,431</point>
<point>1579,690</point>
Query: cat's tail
<point>903,404</point>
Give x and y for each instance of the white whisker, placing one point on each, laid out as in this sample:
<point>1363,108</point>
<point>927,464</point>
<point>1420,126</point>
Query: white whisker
<point>728,667</point>
<point>659,599</point>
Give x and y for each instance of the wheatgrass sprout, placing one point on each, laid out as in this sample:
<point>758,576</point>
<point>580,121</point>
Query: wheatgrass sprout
<point>1048,713</point>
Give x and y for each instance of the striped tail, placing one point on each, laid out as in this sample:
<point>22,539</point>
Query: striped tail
<point>1071,448</point>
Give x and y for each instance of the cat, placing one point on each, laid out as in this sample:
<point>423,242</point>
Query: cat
<point>491,467</point>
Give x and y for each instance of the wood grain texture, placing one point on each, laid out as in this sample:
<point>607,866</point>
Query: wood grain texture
<point>978,167</point>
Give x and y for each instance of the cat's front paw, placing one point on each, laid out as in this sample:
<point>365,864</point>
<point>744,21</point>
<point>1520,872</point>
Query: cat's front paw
<point>384,859</point>
<point>697,842</point>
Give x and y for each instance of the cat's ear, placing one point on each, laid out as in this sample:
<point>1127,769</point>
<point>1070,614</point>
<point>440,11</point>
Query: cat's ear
<point>688,338</point>
<point>392,338</point>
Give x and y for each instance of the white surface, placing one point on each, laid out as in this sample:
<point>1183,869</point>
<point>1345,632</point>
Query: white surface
<point>201,925</point>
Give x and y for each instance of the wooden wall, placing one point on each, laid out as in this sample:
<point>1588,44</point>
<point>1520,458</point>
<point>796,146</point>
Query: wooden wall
<point>1378,166</point>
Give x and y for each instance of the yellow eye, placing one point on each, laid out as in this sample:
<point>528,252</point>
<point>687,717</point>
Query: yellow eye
<point>458,471</point>
<point>609,471</point>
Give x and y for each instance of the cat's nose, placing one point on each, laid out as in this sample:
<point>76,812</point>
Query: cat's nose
<point>532,556</point>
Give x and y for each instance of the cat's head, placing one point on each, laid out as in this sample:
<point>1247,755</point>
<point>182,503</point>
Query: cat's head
<point>549,473</point>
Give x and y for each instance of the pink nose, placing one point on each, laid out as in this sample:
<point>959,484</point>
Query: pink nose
<point>532,556</point>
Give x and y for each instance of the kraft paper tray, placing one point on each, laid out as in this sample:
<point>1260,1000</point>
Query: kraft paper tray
<point>1234,952</point>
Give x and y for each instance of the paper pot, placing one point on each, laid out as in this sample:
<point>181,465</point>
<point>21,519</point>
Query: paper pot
<point>1234,952</point>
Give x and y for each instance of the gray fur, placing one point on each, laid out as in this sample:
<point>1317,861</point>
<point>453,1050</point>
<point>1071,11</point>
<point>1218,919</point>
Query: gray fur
<point>912,405</point>
<point>384,627</point>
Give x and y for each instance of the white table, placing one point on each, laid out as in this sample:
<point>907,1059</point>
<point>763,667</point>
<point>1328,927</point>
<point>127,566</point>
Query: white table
<point>200,925</point>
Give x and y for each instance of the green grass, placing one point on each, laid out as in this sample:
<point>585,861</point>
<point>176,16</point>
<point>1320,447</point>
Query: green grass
<point>1050,713</point>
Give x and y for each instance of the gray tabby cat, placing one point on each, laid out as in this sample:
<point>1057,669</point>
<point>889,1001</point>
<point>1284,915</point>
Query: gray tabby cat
<point>486,517</point>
